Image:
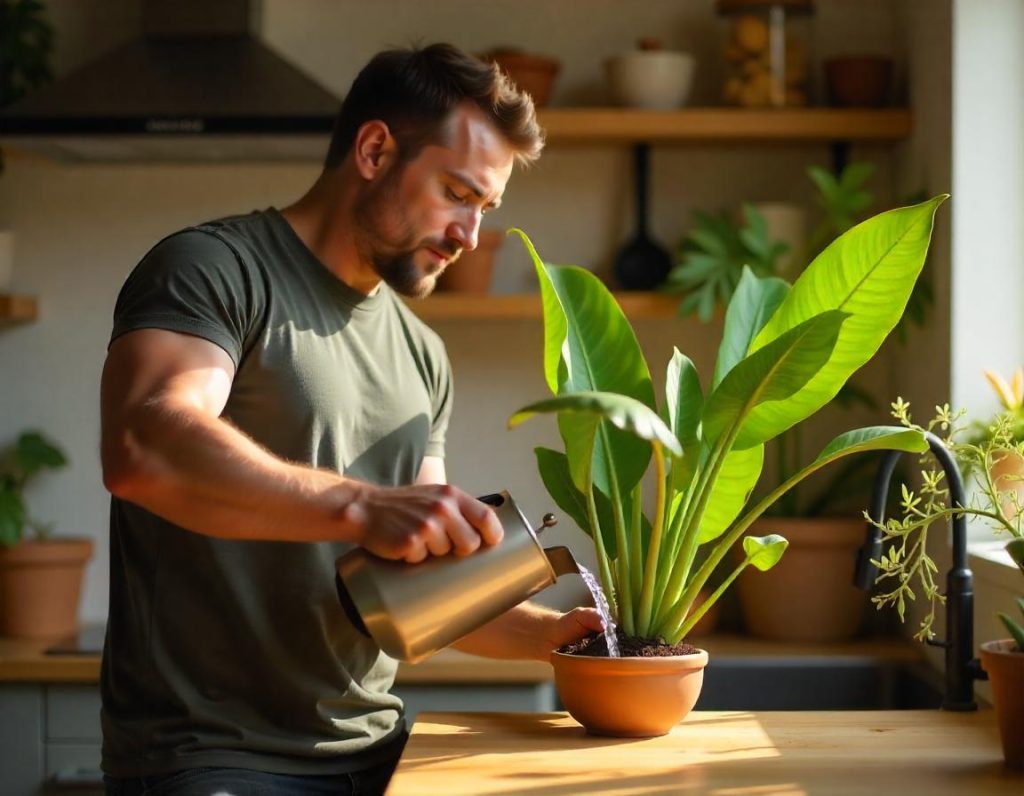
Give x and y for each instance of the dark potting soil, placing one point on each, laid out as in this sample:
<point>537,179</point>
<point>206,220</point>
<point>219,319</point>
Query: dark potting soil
<point>629,647</point>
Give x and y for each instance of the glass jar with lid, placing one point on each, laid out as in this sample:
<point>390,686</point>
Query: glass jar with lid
<point>767,52</point>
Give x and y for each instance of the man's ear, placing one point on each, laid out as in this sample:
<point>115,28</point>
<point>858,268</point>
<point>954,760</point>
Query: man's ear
<point>375,149</point>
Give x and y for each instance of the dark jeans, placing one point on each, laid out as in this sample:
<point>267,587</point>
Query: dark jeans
<point>243,782</point>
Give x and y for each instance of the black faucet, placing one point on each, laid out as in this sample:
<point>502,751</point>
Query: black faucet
<point>962,669</point>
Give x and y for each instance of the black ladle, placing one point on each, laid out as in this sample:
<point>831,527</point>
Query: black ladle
<point>641,264</point>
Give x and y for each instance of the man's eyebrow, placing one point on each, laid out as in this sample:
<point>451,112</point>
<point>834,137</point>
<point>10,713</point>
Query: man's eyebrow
<point>473,187</point>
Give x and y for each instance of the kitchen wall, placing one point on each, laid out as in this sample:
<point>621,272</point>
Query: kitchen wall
<point>81,227</point>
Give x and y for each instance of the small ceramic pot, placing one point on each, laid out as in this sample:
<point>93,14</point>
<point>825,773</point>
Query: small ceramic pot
<point>472,272</point>
<point>859,81</point>
<point>1005,667</point>
<point>629,697</point>
<point>41,586</point>
<point>652,79</point>
<point>534,74</point>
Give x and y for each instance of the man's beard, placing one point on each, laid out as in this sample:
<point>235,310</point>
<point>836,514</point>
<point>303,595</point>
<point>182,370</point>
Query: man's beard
<point>395,262</point>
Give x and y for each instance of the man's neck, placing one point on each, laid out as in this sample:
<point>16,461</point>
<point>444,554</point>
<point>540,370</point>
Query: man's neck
<point>323,221</point>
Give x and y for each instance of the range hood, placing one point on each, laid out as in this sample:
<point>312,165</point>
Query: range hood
<point>196,86</point>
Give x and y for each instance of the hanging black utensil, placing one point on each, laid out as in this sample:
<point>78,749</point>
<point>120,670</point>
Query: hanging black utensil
<point>641,264</point>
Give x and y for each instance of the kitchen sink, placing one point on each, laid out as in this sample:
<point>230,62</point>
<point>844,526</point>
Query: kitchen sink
<point>818,683</point>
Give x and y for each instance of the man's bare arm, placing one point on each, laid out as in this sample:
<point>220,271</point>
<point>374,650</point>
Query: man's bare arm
<point>165,447</point>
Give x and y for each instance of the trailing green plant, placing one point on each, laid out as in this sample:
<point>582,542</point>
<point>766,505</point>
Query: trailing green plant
<point>21,463</point>
<point>784,354</point>
<point>906,569</point>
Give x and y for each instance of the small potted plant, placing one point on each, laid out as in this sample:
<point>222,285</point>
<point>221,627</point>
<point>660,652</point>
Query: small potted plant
<point>784,354</point>
<point>41,576</point>
<point>906,568</point>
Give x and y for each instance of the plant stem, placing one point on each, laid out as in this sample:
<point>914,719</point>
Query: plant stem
<point>604,570</point>
<point>695,616</point>
<point>650,573</point>
<point>622,560</point>
<point>636,540</point>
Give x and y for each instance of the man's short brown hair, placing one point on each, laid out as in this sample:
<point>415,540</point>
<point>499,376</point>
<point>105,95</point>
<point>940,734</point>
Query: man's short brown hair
<point>414,90</point>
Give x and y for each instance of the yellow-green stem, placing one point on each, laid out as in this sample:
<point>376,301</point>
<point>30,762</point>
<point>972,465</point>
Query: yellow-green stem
<point>637,539</point>
<point>622,560</point>
<point>604,570</point>
<point>650,571</point>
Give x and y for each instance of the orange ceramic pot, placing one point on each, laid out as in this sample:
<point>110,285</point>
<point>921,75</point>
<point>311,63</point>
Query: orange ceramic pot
<point>629,697</point>
<point>1007,473</point>
<point>1005,667</point>
<point>472,272</point>
<point>40,587</point>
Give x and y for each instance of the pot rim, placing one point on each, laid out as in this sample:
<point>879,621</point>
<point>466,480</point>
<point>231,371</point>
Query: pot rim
<point>695,660</point>
<point>1000,646</point>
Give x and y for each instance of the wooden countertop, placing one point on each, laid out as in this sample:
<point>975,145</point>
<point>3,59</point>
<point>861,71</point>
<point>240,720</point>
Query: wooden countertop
<point>26,661</point>
<point>736,753</point>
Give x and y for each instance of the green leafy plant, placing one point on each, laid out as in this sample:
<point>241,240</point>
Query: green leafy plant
<point>784,354</point>
<point>26,45</point>
<point>906,569</point>
<point>21,463</point>
<point>713,256</point>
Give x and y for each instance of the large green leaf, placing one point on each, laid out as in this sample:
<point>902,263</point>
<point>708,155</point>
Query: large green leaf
<point>684,403</point>
<point>753,303</point>
<point>736,479</point>
<point>590,346</point>
<point>623,412</point>
<point>554,472</point>
<point>869,273</point>
<point>769,375</point>
<point>872,438</point>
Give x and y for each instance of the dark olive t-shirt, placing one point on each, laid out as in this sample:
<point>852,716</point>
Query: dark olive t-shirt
<point>237,653</point>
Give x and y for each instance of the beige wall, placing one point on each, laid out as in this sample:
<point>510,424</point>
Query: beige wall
<point>80,228</point>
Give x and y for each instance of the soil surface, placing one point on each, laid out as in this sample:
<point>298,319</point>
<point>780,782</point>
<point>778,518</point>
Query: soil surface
<point>629,647</point>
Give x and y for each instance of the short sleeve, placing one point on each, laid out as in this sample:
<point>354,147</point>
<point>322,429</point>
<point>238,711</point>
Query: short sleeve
<point>443,396</point>
<point>195,283</point>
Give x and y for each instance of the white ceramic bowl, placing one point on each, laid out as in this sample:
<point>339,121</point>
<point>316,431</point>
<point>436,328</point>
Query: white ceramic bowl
<point>654,79</point>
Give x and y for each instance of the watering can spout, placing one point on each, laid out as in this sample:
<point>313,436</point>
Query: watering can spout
<point>561,561</point>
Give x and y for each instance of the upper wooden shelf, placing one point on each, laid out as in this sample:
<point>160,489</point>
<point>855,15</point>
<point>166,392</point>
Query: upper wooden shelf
<point>724,125</point>
<point>17,309</point>
<point>488,306</point>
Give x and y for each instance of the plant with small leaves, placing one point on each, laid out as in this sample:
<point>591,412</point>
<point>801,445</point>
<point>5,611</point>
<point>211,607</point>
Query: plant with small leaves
<point>905,568</point>
<point>21,463</point>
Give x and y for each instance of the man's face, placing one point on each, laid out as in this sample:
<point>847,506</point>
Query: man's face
<point>419,216</point>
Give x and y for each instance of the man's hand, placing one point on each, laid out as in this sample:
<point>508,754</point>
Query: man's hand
<point>410,523</point>
<point>530,632</point>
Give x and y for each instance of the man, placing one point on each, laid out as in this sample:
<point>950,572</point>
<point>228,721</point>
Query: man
<point>267,402</point>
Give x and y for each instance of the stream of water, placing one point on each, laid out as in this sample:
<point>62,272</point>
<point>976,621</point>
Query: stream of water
<point>602,608</point>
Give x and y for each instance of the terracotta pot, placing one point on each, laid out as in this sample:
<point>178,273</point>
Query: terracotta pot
<point>1007,473</point>
<point>40,587</point>
<point>534,74</point>
<point>809,595</point>
<point>629,697</point>
<point>471,273</point>
<point>859,81</point>
<point>1005,668</point>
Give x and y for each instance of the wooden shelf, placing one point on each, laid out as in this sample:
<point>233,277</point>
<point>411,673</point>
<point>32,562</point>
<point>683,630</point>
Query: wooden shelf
<point>477,307</point>
<point>15,310</point>
<point>724,125</point>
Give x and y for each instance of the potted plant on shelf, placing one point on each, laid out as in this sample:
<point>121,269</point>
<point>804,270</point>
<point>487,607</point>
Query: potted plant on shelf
<point>906,568</point>
<point>784,354</point>
<point>41,577</point>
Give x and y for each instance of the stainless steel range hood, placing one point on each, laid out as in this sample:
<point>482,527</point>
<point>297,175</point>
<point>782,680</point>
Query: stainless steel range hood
<point>195,86</point>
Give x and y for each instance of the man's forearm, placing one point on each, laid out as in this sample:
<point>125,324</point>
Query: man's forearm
<point>202,473</point>
<point>520,633</point>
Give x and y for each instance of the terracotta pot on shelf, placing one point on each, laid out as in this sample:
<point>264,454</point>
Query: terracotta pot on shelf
<point>809,595</point>
<point>629,697</point>
<point>1007,473</point>
<point>859,81</point>
<point>534,74</point>
<point>1005,668</point>
<point>472,272</point>
<point>40,587</point>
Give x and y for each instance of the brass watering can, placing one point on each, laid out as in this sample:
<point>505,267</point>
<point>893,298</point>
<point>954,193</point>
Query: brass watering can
<point>413,610</point>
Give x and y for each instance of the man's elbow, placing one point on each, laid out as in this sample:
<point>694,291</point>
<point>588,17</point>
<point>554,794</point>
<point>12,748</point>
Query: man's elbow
<point>126,474</point>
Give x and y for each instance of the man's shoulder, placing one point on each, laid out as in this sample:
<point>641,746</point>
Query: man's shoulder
<point>415,327</point>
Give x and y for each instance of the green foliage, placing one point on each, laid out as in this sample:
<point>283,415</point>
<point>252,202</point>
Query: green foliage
<point>713,256</point>
<point>785,353</point>
<point>905,568</point>
<point>31,454</point>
